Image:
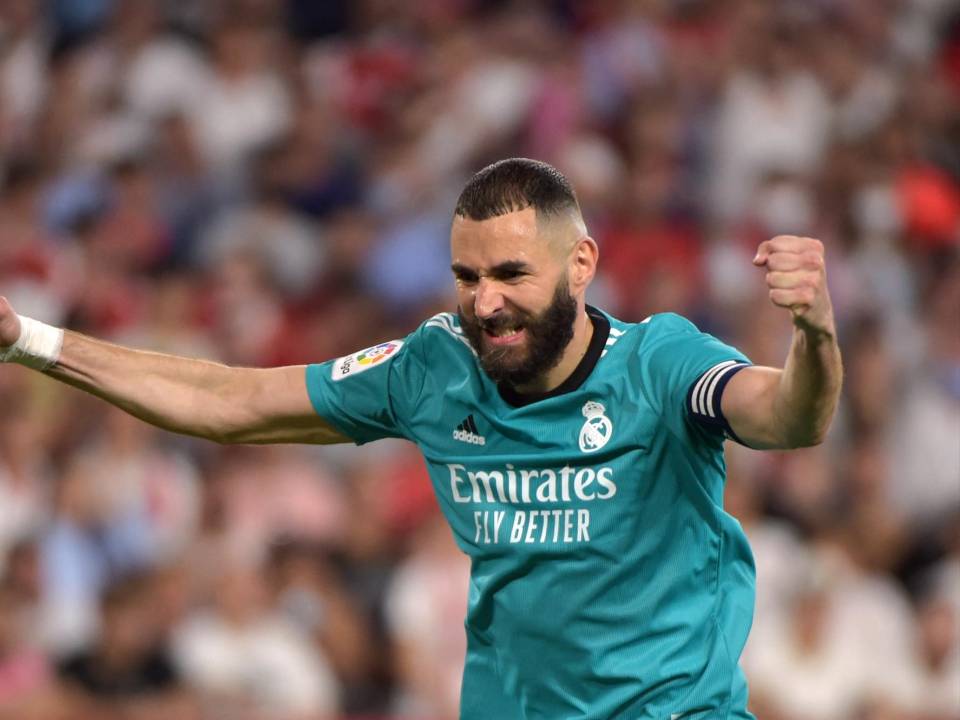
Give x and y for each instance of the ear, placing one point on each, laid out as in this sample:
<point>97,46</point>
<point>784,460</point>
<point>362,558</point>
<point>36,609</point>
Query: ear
<point>583,263</point>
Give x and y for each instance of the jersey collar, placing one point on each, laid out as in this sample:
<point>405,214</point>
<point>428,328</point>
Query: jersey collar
<point>601,331</point>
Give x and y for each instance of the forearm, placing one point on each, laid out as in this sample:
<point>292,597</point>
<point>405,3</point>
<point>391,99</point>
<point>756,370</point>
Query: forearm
<point>792,407</point>
<point>809,388</point>
<point>183,395</point>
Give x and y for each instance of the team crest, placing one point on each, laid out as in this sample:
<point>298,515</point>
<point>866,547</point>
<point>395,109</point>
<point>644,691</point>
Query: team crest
<point>365,359</point>
<point>596,431</point>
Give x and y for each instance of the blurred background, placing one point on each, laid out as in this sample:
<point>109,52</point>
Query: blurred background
<point>272,181</point>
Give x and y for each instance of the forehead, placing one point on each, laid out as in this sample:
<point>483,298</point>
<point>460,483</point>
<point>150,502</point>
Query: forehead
<point>485,243</point>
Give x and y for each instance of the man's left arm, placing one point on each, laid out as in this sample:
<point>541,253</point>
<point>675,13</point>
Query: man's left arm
<point>792,407</point>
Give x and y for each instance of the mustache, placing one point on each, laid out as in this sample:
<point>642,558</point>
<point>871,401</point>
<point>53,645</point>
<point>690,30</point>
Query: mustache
<point>499,322</point>
<point>548,333</point>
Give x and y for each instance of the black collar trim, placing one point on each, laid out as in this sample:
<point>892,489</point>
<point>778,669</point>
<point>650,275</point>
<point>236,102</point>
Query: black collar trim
<point>601,331</point>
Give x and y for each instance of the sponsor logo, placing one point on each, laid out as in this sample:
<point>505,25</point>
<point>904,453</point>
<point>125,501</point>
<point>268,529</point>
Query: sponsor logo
<point>544,505</point>
<point>523,486</point>
<point>597,429</point>
<point>467,432</point>
<point>365,359</point>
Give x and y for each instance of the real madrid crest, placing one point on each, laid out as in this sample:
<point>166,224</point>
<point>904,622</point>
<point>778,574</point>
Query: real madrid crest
<point>597,429</point>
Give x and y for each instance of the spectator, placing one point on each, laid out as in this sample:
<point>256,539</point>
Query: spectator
<point>246,657</point>
<point>427,596</point>
<point>128,670</point>
<point>311,594</point>
<point>25,475</point>
<point>267,183</point>
<point>27,687</point>
<point>932,682</point>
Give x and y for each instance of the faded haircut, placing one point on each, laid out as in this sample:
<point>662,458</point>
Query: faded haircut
<point>515,184</point>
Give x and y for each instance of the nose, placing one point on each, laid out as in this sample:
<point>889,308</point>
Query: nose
<point>487,299</point>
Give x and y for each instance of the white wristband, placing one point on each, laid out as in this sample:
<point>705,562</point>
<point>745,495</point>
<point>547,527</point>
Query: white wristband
<point>38,346</point>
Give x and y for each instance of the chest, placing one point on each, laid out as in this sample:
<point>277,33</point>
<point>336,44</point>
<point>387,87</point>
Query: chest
<point>550,476</point>
<point>471,421</point>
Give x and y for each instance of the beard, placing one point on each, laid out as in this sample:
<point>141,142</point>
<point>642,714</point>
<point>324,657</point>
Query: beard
<point>547,335</point>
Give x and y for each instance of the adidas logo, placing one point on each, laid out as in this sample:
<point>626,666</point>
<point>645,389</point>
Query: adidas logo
<point>467,432</point>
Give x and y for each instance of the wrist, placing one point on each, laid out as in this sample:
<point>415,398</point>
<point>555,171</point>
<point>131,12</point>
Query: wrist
<point>38,346</point>
<point>815,333</point>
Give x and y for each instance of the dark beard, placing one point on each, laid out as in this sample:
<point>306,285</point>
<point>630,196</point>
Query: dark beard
<point>548,335</point>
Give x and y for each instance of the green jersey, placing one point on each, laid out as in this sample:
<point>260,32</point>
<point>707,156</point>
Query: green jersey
<point>606,580</point>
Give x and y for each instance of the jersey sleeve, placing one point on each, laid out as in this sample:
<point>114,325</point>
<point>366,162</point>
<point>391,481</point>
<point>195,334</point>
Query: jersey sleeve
<point>368,395</point>
<point>685,372</point>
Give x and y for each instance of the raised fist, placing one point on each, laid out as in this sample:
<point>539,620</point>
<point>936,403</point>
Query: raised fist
<point>797,279</point>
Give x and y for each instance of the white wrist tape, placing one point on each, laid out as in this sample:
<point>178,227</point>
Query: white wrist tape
<point>38,346</point>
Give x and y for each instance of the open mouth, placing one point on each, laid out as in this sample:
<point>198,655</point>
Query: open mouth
<point>507,335</point>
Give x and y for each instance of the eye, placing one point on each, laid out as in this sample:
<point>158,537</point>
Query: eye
<point>511,276</point>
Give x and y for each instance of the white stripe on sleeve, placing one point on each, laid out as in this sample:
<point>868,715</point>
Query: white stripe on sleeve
<point>698,396</point>
<point>713,386</point>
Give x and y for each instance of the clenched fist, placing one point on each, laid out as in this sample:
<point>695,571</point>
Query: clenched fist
<point>797,279</point>
<point>9,324</point>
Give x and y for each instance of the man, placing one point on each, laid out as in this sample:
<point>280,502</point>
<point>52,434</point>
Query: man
<point>577,458</point>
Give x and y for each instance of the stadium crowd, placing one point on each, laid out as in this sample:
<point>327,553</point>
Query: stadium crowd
<point>270,182</point>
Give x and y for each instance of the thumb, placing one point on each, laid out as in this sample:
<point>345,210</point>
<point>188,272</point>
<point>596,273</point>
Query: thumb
<point>760,258</point>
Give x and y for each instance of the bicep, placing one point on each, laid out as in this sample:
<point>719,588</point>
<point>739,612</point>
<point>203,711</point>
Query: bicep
<point>281,411</point>
<point>748,404</point>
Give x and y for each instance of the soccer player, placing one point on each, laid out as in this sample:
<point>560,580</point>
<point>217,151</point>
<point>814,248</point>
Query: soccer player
<point>577,458</point>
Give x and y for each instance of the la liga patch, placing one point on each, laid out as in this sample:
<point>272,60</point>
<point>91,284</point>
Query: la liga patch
<point>365,359</point>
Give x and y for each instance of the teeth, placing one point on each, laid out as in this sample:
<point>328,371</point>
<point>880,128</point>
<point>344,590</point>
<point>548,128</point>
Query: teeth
<point>507,332</point>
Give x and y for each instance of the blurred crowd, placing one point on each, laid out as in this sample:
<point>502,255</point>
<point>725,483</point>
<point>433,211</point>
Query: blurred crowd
<point>272,181</point>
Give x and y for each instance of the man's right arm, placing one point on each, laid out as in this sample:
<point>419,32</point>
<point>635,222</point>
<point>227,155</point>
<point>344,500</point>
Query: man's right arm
<point>193,397</point>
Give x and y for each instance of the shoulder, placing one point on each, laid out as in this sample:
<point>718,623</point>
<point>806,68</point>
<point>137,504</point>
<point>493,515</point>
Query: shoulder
<point>432,338</point>
<point>668,343</point>
<point>653,329</point>
<point>667,323</point>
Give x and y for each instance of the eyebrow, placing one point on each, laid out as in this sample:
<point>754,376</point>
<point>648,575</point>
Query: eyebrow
<point>508,267</point>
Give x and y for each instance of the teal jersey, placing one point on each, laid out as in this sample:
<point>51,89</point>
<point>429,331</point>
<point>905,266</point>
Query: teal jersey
<point>606,579</point>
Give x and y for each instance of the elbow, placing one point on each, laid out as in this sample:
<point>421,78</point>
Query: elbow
<point>246,431</point>
<point>804,429</point>
<point>226,427</point>
<point>218,437</point>
<point>227,437</point>
<point>818,438</point>
<point>806,442</point>
<point>219,433</point>
<point>807,437</point>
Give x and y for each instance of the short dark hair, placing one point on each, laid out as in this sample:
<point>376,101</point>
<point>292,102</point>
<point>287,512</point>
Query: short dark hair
<point>515,184</point>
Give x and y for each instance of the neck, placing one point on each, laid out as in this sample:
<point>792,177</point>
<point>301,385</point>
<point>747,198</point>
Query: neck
<point>572,355</point>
